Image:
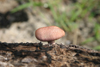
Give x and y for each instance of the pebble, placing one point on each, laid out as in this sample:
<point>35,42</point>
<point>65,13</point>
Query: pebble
<point>5,64</point>
<point>2,58</point>
<point>27,60</point>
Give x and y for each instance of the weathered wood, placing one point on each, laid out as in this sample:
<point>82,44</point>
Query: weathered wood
<point>37,54</point>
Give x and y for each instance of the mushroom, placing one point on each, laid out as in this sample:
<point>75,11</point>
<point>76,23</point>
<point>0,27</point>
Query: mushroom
<point>49,34</point>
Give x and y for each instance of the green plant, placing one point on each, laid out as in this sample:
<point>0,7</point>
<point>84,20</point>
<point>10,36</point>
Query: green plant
<point>28,4</point>
<point>61,18</point>
<point>97,48</point>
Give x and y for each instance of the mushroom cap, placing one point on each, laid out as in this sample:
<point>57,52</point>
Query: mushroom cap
<point>49,33</point>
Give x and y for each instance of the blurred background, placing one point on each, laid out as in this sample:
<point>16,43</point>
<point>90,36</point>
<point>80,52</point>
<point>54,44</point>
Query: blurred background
<point>80,19</point>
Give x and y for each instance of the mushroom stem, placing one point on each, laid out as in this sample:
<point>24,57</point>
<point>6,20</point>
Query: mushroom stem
<point>51,42</point>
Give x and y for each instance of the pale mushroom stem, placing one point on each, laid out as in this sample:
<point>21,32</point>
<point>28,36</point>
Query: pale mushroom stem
<point>51,42</point>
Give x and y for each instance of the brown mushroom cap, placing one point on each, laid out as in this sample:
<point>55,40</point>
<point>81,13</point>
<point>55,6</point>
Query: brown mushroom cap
<point>49,33</point>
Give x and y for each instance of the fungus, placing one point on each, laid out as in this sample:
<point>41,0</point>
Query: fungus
<point>49,34</point>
